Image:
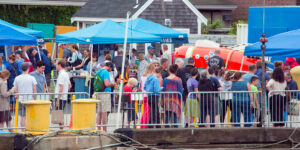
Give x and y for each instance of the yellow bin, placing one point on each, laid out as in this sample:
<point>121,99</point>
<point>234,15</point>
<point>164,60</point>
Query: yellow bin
<point>37,116</point>
<point>84,113</point>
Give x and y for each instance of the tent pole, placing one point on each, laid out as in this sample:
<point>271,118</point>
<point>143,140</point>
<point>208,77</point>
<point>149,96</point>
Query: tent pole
<point>122,72</point>
<point>242,63</point>
<point>91,51</point>
<point>5,52</point>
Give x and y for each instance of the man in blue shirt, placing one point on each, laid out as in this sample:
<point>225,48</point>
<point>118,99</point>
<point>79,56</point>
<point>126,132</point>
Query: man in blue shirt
<point>248,76</point>
<point>39,77</point>
<point>105,98</point>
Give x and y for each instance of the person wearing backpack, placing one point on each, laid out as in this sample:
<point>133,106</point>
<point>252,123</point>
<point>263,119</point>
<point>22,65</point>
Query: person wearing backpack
<point>102,84</point>
<point>76,56</point>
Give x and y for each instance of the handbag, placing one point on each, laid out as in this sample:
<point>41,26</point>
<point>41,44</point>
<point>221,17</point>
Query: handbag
<point>57,117</point>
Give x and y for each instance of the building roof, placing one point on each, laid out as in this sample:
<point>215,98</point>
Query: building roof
<point>45,2</point>
<point>108,8</point>
<point>214,4</point>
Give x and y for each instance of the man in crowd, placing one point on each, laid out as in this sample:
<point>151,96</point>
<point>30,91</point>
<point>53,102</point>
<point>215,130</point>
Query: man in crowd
<point>216,60</point>
<point>134,57</point>
<point>164,65</point>
<point>62,86</point>
<point>39,77</point>
<point>167,54</point>
<point>292,85</point>
<point>67,53</point>
<point>248,76</point>
<point>150,57</point>
<point>25,83</point>
<point>105,105</point>
<point>47,71</point>
<point>118,61</point>
<point>101,58</point>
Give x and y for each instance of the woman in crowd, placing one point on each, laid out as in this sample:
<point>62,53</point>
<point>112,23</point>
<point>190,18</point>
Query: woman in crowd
<point>153,88</point>
<point>85,61</point>
<point>277,99</point>
<point>76,56</point>
<point>226,97</point>
<point>2,66</point>
<point>13,70</point>
<point>172,102</point>
<point>5,116</point>
<point>93,68</point>
<point>241,102</point>
<point>114,73</point>
<point>142,66</point>
<point>192,108</point>
<point>146,108</point>
<point>206,99</point>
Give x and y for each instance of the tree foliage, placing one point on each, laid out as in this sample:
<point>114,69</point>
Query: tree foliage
<point>22,14</point>
<point>233,27</point>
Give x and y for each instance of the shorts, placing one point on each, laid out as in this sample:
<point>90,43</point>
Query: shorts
<point>105,102</point>
<point>62,104</point>
<point>48,79</point>
<point>5,116</point>
<point>22,110</point>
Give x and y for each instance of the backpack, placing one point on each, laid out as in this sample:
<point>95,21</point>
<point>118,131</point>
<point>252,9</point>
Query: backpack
<point>99,85</point>
<point>78,61</point>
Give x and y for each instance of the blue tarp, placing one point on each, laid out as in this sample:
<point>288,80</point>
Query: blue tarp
<point>168,35</point>
<point>37,34</point>
<point>11,36</point>
<point>107,32</point>
<point>281,45</point>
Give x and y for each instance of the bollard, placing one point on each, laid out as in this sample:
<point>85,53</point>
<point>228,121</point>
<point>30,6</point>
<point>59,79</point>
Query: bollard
<point>84,114</point>
<point>37,116</point>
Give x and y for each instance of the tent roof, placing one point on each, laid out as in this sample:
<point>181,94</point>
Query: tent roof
<point>281,45</point>
<point>150,27</point>
<point>107,32</point>
<point>11,36</point>
<point>38,34</point>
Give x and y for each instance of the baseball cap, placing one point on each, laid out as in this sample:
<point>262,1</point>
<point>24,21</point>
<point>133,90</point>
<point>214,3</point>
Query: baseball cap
<point>109,64</point>
<point>150,47</point>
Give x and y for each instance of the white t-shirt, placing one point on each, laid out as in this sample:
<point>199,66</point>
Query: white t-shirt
<point>62,79</point>
<point>277,86</point>
<point>24,83</point>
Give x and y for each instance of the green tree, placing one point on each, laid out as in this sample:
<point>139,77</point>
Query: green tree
<point>233,27</point>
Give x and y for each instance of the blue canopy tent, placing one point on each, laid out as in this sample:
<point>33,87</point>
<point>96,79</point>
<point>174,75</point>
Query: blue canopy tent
<point>11,36</point>
<point>281,45</point>
<point>38,34</point>
<point>168,35</point>
<point>107,32</point>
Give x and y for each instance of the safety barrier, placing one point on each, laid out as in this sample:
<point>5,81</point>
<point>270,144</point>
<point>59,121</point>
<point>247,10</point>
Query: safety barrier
<point>230,108</point>
<point>142,110</point>
<point>283,108</point>
<point>14,116</point>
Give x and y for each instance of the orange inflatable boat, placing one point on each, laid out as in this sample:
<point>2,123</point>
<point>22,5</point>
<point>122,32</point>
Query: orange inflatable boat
<point>233,58</point>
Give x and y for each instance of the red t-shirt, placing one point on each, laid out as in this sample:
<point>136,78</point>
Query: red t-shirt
<point>128,89</point>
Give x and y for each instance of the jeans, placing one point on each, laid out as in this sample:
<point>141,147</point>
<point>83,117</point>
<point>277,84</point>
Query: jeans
<point>154,112</point>
<point>239,107</point>
<point>172,118</point>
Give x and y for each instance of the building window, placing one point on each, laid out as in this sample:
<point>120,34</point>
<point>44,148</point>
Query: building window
<point>168,0</point>
<point>168,22</point>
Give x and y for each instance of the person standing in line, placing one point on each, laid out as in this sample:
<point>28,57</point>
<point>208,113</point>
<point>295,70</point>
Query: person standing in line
<point>129,88</point>
<point>241,102</point>
<point>278,100</point>
<point>19,60</point>
<point>76,56</point>
<point>226,97</point>
<point>67,53</point>
<point>5,116</point>
<point>101,58</point>
<point>150,57</point>
<point>118,60</point>
<point>142,66</point>
<point>216,60</point>
<point>85,61</point>
<point>255,107</point>
<point>167,54</point>
<point>25,84</point>
<point>2,66</point>
<point>164,65</point>
<point>105,105</point>
<point>13,70</point>
<point>39,77</point>
<point>63,85</point>
<point>134,57</point>
<point>153,87</point>
<point>292,85</point>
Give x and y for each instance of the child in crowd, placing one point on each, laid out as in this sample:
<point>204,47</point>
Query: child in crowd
<point>131,87</point>
<point>254,90</point>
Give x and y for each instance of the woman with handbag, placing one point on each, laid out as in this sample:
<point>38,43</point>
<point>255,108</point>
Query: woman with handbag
<point>76,56</point>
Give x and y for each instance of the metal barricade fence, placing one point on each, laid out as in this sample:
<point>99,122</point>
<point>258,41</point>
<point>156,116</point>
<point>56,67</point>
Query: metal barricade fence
<point>230,108</point>
<point>142,110</point>
<point>14,117</point>
<point>283,108</point>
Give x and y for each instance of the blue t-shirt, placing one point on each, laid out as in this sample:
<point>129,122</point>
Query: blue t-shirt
<point>40,79</point>
<point>247,77</point>
<point>240,86</point>
<point>104,74</point>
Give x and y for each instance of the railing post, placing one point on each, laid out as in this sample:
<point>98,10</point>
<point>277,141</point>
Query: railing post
<point>16,114</point>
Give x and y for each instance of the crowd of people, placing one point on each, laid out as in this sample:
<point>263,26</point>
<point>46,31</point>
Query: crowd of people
<point>169,86</point>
